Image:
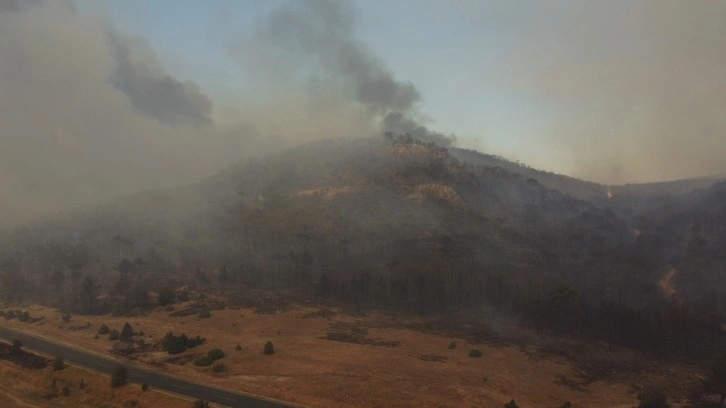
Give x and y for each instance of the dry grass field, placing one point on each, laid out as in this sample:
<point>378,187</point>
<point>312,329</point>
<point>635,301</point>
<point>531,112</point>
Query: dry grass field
<point>395,367</point>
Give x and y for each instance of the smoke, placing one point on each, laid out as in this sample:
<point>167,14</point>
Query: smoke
<point>635,89</point>
<point>154,92</point>
<point>317,38</point>
<point>88,114</point>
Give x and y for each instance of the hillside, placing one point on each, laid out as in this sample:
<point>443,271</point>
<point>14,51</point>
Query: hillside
<point>396,224</point>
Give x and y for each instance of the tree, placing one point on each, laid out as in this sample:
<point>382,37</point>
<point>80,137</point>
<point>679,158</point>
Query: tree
<point>89,290</point>
<point>474,353</point>
<point>127,332</point>
<point>511,404</point>
<point>119,375</point>
<point>166,296</point>
<point>269,348</point>
<point>103,329</point>
<point>652,399</point>
<point>58,363</point>
<point>716,380</point>
<point>16,347</point>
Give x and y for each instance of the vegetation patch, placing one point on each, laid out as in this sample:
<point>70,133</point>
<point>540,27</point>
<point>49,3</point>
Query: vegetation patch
<point>15,354</point>
<point>349,333</point>
<point>434,358</point>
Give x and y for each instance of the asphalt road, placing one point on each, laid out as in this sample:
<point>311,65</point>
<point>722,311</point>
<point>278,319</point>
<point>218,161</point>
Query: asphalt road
<point>138,375</point>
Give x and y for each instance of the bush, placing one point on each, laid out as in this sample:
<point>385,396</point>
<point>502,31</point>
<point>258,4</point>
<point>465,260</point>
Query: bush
<point>66,391</point>
<point>58,363</point>
<point>238,348</point>
<point>66,317</point>
<point>16,347</point>
<point>103,329</point>
<point>269,348</point>
<point>511,404</point>
<point>215,354</point>
<point>183,296</point>
<point>219,368</point>
<point>166,296</point>
<point>119,376</point>
<point>82,384</point>
<point>203,361</point>
<point>144,387</point>
<point>567,404</point>
<point>114,335</point>
<point>127,333</point>
<point>652,399</point>
<point>452,345</point>
<point>204,314</point>
<point>474,353</point>
<point>200,404</point>
<point>177,344</point>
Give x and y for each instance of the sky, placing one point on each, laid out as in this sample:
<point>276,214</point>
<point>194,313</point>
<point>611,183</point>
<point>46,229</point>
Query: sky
<point>106,97</point>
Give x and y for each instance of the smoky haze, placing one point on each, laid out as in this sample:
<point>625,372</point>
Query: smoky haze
<point>90,113</point>
<point>635,89</point>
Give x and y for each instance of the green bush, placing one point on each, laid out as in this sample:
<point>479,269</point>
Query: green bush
<point>166,296</point>
<point>474,353</point>
<point>269,348</point>
<point>452,345</point>
<point>203,361</point>
<point>103,329</point>
<point>215,354</point>
<point>511,404</point>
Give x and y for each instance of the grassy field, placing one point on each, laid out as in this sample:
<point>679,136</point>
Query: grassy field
<point>369,363</point>
<point>74,387</point>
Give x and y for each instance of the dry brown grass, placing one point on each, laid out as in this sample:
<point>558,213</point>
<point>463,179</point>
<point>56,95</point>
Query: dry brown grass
<point>33,388</point>
<point>310,370</point>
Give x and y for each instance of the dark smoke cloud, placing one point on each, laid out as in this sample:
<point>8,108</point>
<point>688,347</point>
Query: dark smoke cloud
<point>154,92</point>
<point>321,33</point>
<point>398,123</point>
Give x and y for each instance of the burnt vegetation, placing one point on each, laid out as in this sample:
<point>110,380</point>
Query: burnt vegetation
<point>401,226</point>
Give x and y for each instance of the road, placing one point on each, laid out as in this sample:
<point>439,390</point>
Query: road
<point>139,375</point>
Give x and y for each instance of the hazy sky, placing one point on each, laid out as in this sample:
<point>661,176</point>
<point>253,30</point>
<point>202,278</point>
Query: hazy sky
<point>99,98</point>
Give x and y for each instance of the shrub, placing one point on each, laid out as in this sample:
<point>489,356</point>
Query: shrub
<point>474,353</point>
<point>200,404</point>
<point>166,296</point>
<point>269,348</point>
<point>119,375</point>
<point>82,384</point>
<point>16,347</point>
<point>66,317</point>
<point>144,387</point>
<point>204,314</point>
<point>452,345</point>
<point>114,335</point>
<point>652,399</point>
<point>238,348</point>
<point>127,333</point>
<point>66,391</point>
<point>215,354</point>
<point>511,404</point>
<point>183,296</point>
<point>219,368</point>
<point>103,329</point>
<point>567,404</point>
<point>58,363</point>
<point>203,361</point>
